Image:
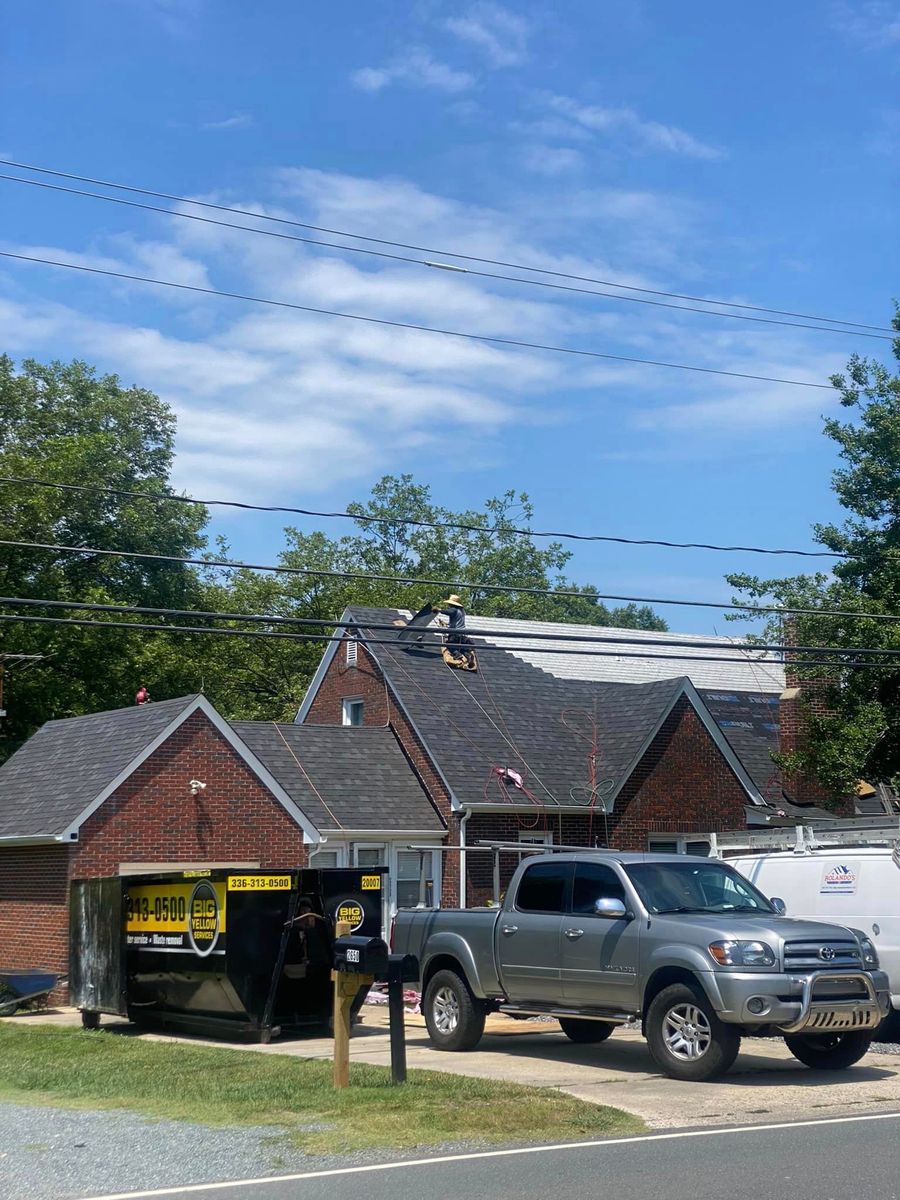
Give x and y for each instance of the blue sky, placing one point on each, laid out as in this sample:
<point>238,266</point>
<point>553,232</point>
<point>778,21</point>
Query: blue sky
<point>742,152</point>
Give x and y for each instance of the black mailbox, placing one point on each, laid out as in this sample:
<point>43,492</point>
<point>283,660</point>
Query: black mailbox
<point>362,956</point>
<point>403,968</point>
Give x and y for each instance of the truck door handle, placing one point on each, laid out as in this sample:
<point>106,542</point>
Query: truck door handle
<point>509,929</point>
<point>572,934</point>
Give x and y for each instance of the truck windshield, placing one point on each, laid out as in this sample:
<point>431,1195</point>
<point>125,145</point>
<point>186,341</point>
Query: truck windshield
<point>697,887</point>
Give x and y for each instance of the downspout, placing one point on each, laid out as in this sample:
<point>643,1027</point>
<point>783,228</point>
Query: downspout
<point>462,857</point>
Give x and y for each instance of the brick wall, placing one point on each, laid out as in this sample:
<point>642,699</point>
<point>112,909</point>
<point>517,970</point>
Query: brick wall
<point>152,817</point>
<point>34,929</point>
<point>682,785</point>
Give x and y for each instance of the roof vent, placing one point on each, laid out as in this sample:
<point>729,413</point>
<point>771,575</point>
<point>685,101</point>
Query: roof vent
<point>352,647</point>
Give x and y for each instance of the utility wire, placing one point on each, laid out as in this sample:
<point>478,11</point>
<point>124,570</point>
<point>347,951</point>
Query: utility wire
<point>503,588</point>
<point>244,212</point>
<point>422,262</point>
<point>455,333</point>
<point>158,497</point>
<point>841,664</point>
<point>592,639</point>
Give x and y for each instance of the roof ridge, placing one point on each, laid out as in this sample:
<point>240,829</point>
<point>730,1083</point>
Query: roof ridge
<point>152,706</point>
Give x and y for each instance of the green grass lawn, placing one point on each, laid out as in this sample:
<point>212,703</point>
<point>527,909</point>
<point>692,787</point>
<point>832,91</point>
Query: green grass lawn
<point>71,1067</point>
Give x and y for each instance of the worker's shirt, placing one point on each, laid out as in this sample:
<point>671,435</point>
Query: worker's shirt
<point>456,617</point>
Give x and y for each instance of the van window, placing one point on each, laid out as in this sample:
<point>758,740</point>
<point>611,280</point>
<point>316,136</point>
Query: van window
<point>543,887</point>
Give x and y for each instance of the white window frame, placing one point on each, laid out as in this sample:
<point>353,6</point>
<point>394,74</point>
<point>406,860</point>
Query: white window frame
<point>536,837</point>
<point>390,849</point>
<point>346,702</point>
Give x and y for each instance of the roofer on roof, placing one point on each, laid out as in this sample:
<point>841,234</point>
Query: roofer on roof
<point>458,650</point>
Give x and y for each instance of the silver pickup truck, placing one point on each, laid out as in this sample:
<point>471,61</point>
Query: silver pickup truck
<point>685,945</point>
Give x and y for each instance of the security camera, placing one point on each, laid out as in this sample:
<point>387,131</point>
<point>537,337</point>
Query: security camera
<point>197,786</point>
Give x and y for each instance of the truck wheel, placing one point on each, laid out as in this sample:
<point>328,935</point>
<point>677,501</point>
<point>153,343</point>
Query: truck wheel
<point>686,1038</point>
<point>90,1020</point>
<point>585,1031</point>
<point>454,1018</point>
<point>829,1051</point>
<point>889,1029</point>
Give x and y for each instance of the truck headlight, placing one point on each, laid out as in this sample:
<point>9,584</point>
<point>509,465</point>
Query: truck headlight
<point>869,953</point>
<point>742,954</point>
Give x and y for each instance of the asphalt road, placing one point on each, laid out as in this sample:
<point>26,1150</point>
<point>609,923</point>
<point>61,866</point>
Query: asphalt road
<point>850,1158</point>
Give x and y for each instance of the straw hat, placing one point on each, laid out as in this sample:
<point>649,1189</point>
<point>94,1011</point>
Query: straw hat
<point>455,600</point>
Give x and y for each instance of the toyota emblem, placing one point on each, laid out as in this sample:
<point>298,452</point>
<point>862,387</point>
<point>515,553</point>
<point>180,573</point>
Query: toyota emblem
<point>826,953</point>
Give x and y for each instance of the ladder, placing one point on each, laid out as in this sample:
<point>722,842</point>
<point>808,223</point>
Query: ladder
<point>801,839</point>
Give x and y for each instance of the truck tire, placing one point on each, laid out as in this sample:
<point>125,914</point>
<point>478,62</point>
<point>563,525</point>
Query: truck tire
<point>583,1032</point>
<point>889,1029</point>
<point>686,1038</point>
<point>454,1018</point>
<point>89,1019</point>
<point>829,1051</point>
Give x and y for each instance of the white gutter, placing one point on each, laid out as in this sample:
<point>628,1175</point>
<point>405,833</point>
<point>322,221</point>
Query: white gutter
<point>41,839</point>
<point>462,857</point>
<point>394,834</point>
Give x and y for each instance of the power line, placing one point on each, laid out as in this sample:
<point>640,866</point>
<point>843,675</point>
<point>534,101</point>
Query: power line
<point>410,581</point>
<point>456,333</point>
<point>592,639</point>
<point>157,497</point>
<point>244,212</point>
<point>840,664</point>
<point>422,262</point>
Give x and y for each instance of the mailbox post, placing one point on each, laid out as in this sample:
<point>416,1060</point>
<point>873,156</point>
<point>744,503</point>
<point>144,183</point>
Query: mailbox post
<point>358,961</point>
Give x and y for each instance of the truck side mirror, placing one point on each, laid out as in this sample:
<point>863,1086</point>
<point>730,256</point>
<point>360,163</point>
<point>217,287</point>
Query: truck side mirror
<point>779,905</point>
<point>613,910</point>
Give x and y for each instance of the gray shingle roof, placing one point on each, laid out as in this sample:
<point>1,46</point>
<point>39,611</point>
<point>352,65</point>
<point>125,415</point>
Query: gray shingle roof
<point>511,714</point>
<point>67,764</point>
<point>749,721</point>
<point>639,660</point>
<point>353,777</point>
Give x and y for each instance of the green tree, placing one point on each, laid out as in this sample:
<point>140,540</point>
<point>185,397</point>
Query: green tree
<point>266,678</point>
<point>860,735</point>
<point>64,423</point>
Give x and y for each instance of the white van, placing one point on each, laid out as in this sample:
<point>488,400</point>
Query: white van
<point>857,886</point>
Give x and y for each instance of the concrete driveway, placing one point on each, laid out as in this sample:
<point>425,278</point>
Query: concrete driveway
<point>766,1083</point>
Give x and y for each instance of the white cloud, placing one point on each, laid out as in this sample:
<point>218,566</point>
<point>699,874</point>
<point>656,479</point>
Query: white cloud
<point>238,121</point>
<point>625,122</point>
<point>501,35</point>
<point>552,160</point>
<point>874,24</point>
<point>271,400</point>
<point>415,68</point>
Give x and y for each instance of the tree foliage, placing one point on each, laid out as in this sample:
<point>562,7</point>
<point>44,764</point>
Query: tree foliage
<point>860,735</point>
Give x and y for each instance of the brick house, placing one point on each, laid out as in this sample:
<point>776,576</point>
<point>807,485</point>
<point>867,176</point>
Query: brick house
<point>119,792</point>
<point>543,738</point>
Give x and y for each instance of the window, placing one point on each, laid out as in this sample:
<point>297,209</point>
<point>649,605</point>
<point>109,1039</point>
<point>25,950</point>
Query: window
<point>352,646</point>
<point>695,887</point>
<point>543,887</point>
<point>595,881</point>
<point>323,858</point>
<point>370,856</point>
<point>352,711</point>
<point>538,839</point>
<point>410,864</point>
<point>679,845</point>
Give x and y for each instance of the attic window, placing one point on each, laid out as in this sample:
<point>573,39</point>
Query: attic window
<point>352,647</point>
<point>351,712</point>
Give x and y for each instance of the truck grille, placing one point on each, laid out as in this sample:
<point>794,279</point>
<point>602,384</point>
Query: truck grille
<point>821,955</point>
